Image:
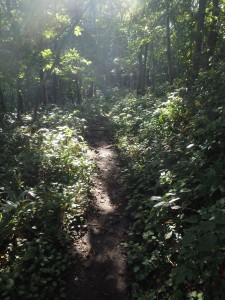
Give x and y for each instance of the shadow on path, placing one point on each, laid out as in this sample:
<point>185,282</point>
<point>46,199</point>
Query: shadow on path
<point>103,274</point>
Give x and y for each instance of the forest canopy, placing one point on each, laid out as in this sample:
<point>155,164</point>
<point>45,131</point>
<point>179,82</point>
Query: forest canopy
<point>57,50</point>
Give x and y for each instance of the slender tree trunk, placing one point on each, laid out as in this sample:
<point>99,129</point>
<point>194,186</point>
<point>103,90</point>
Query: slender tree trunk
<point>131,79</point>
<point>107,74</point>
<point>12,98</point>
<point>78,91</point>
<point>54,88</point>
<point>2,102</point>
<point>90,91</point>
<point>140,71</point>
<point>144,69</point>
<point>2,107</point>
<point>43,95</point>
<point>148,80</point>
<point>61,97</point>
<point>153,66</point>
<point>213,33</point>
<point>142,63</point>
<point>20,101</point>
<point>72,95</point>
<point>168,41</point>
<point>197,53</point>
<point>20,104</point>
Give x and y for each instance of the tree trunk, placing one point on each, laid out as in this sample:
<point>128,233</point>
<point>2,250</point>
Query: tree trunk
<point>213,33</point>
<point>197,53</point>
<point>168,40</point>
<point>43,95</point>
<point>12,98</point>
<point>131,80</point>
<point>2,106</point>
<point>142,70</point>
<point>78,91</point>
<point>153,65</point>
<point>90,91</point>
<point>54,88</point>
<point>106,73</point>
<point>20,101</point>
<point>2,102</point>
<point>62,96</point>
<point>20,105</point>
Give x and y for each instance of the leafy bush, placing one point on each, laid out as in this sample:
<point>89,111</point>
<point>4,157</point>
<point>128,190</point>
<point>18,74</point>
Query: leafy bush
<point>45,175</point>
<point>173,152</point>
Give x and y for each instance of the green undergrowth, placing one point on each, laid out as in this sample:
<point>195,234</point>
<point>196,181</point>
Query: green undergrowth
<point>173,152</point>
<point>94,108</point>
<point>45,173</point>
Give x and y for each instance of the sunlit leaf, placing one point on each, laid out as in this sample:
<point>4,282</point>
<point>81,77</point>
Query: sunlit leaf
<point>168,235</point>
<point>77,30</point>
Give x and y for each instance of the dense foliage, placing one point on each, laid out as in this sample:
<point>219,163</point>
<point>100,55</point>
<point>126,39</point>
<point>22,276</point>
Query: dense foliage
<point>173,150</point>
<point>168,58</point>
<point>45,175</point>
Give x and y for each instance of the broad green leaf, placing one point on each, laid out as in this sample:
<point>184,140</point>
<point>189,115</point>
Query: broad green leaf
<point>168,235</point>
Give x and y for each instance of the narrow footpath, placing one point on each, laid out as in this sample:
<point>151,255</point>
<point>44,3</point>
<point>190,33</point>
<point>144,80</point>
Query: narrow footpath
<point>103,270</point>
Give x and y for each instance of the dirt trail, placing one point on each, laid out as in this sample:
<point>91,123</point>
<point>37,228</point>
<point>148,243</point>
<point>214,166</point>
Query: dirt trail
<point>103,271</point>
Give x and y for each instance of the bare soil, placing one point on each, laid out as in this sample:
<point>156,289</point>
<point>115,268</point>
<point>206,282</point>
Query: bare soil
<point>101,271</point>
